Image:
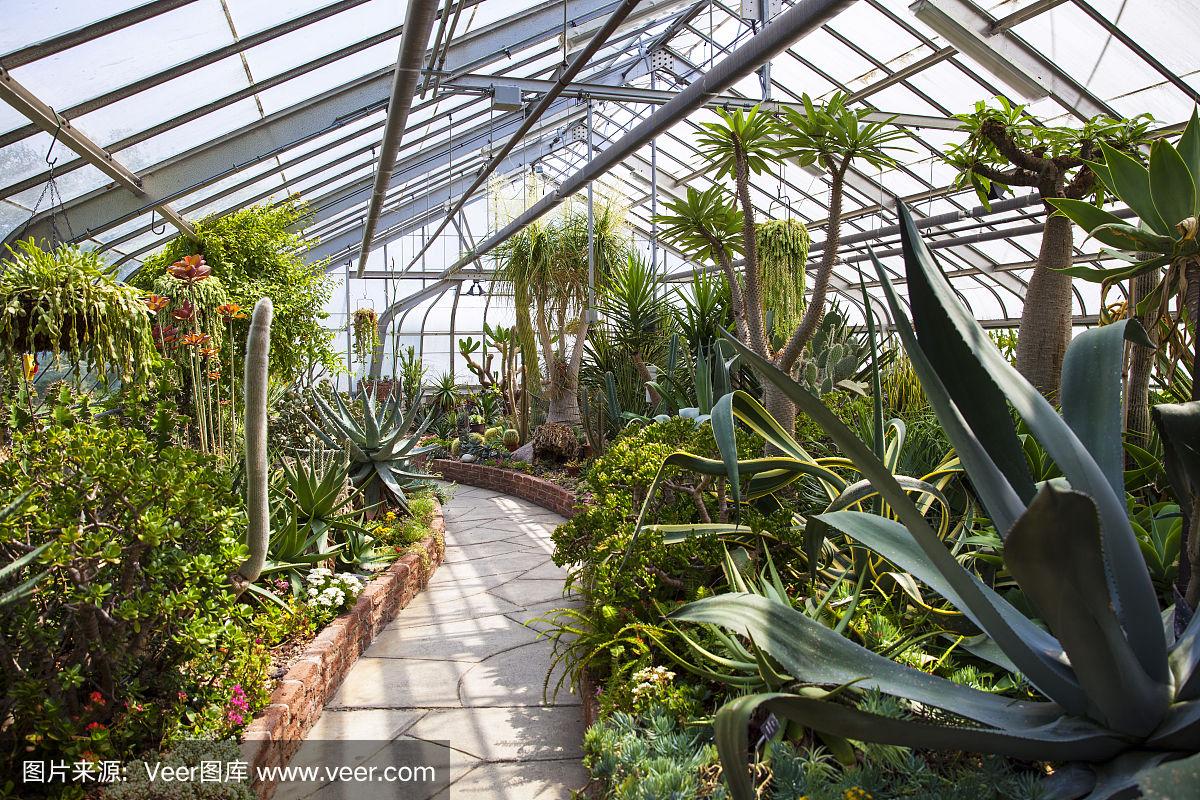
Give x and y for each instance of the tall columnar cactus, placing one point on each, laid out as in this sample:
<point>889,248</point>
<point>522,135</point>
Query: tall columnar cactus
<point>258,532</point>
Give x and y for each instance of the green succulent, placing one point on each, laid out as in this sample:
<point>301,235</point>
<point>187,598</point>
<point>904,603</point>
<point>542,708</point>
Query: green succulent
<point>381,446</point>
<point>1118,693</point>
<point>318,496</point>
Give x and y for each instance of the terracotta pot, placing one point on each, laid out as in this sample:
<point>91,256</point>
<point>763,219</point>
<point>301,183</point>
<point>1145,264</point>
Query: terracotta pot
<point>479,428</point>
<point>512,448</point>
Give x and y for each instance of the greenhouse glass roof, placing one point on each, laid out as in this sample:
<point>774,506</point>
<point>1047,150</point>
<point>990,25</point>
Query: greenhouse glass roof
<point>125,121</point>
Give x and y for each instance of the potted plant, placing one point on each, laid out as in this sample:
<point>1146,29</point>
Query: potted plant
<point>512,439</point>
<point>365,328</point>
<point>477,423</point>
<point>573,467</point>
<point>69,301</point>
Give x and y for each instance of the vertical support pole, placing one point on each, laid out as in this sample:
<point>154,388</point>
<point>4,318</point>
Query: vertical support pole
<point>653,190</point>
<point>349,333</point>
<point>591,309</point>
<point>764,72</point>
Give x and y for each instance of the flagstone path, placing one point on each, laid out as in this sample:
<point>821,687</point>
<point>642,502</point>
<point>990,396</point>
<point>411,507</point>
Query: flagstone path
<point>460,664</point>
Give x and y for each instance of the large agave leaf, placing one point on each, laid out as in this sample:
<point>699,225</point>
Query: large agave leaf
<point>1189,150</point>
<point>994,490</point>
<point>1091,394</point>
<point>1046,675</point>
<point>891,540</point>
<point>937,312</point>
<point>1054,553</point>
<point>345,426</point>
<point>1033,744</point>
<point>370,417</point>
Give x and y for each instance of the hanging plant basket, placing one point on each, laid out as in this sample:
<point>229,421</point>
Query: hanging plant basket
<point>67,301</point>
<point>365,329</point>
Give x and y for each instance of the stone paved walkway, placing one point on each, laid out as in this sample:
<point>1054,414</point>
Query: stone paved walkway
<point>459,664</point>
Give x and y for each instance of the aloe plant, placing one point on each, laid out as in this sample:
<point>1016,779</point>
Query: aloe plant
<point>319,498</point>
<point>1117,690</point>
<point>381,446</point>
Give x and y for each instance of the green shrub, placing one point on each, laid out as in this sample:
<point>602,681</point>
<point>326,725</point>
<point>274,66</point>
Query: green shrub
<point>256,253</point>
<point>134,639</point>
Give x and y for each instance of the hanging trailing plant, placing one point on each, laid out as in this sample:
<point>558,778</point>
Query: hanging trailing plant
<point>782,253</point>
<point>68,301</point>
<point>366,333</point>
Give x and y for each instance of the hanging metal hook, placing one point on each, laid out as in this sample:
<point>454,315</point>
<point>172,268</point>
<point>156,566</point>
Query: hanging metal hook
<point>50,162</point>
<point>161,229</point>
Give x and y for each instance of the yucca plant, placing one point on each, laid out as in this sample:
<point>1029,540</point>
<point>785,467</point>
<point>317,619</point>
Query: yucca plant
<point>1116,691</point>
<point>381,446</point>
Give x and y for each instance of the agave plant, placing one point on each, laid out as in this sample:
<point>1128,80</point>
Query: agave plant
<point>319,497</point>
<point>14,567</point>
<point>294,547</point>
<point>1117,693</point>
<point>381,446</point>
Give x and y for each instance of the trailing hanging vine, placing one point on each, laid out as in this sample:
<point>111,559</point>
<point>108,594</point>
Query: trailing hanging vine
<point>366,334</point>
<point>782,253</point>
<point>67,301</point>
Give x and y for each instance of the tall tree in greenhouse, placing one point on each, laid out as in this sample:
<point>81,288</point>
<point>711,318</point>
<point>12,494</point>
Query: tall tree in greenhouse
<point>1007,147</point>
<point>710,226</point>
<point>547,265</point>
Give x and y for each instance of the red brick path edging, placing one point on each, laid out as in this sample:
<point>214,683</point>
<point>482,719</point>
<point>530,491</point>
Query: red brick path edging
<point>545,493</point>
<point>276,734</point>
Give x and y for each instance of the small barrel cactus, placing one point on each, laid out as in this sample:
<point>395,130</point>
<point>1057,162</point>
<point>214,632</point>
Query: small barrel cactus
<point>512,439</point>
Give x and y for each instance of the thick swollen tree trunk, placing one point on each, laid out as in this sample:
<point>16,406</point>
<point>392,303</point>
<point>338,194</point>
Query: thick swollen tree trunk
<point>1141,363</point>
<point>1045,328</point>
<point>781,407</point>
<point>564,400</point>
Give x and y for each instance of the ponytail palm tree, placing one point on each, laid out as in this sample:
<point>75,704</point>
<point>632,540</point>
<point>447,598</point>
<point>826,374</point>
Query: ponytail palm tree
<point>546,268</point>
<point>827,135</point>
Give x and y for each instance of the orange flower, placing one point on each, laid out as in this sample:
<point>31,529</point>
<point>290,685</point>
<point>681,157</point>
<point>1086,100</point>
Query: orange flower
<point>214,375</point>
<point>230,310</point>
<point>157,302</point>
<point>190,268</point>
<point>196,339</point>
<point>209,352</point>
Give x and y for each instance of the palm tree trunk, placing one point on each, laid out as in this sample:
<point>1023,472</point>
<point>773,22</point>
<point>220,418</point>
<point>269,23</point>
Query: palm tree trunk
<point>1141,363</point>
<point>782,408</point>
<point>1045,328</point>
<point>816,302</point>
<point>753,295</point>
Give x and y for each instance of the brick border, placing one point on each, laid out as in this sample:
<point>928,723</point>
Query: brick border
<point>276,734</point>
<point>547,494</point>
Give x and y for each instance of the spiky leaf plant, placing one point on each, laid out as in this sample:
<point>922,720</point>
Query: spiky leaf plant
<point>1118,693</point>
<point>381,445</point>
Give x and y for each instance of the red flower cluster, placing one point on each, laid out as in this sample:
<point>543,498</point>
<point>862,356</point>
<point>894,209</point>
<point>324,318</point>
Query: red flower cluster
<point>190,268</point>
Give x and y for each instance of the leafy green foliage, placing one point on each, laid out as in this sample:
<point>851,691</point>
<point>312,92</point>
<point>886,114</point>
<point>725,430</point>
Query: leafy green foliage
<point>782,257</point>
<point>1122,702</point>
<point>68,302</point>
<point>256,253</point>
<point>134,637</point>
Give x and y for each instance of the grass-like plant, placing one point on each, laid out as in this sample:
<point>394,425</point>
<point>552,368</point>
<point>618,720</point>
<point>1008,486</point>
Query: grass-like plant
<point>1115,691</point>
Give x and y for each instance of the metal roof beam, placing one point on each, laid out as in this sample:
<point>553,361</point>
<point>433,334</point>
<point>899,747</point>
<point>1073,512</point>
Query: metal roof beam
<point>225,155</point>
<point>42,115</point>
<point>86,33</point>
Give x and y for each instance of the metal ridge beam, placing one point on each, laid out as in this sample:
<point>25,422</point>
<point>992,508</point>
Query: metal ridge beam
<point>801,19</point>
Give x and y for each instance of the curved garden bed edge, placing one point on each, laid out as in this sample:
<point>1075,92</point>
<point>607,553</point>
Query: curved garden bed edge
<point>275,735</point>
<point>548,495</point>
